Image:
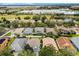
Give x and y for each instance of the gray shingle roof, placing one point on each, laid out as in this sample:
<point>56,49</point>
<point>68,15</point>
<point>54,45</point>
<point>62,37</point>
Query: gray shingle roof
<point>75,41</point>
<point>18,44</point>
<point>28,31</point>
<point>39,30</point>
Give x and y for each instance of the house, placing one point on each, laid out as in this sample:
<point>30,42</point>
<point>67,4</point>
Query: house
<point>35,44</point>
<point>75,42</point>
<point>4,43</point>
<point>67,20</point>
<point>18,30</point>
<point>49,41</point>
<point>18,44</point>
<point>63,42</point>
<point>76,30</point>
<point>64,32</point>
<point>39,30</point>
<point>28,30</point>
<point>49,30</point>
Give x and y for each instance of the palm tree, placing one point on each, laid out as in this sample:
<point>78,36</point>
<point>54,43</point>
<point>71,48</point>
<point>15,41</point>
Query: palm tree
<point>66,52</point>
<point>6,52</point>
<point>48,51</point>
<point>26,53</point>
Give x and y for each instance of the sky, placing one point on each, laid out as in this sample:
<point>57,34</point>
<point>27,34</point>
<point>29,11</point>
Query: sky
<point>39,1</point>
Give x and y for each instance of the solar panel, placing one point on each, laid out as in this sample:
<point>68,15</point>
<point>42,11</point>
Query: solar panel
<point>2,40</point>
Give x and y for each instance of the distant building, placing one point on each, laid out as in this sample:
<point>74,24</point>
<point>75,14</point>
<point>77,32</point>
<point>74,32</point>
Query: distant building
<point>75,42</point>
<point>39,30</point>
<point>49,41</point>
<point>67,20</point>
<point>63,42</point>
<point>28,30</point>
<point>18,44</point>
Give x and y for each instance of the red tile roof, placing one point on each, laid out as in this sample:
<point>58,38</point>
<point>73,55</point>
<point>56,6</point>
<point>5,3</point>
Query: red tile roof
<point>49,41</point>
<point>64,42</point>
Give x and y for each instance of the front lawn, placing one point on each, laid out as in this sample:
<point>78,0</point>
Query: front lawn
<point>77,54</point>
<point>8,34</point>
<point>10,42</point>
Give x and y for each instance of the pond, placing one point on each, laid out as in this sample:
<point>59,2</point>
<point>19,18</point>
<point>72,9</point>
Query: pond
<point>50,11</point>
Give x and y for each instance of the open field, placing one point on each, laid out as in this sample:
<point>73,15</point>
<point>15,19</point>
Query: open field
<point>12,17</point>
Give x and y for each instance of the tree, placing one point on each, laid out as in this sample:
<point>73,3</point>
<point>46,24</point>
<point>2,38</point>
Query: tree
<point>26,17</point>
<point>50,24</point>
<point>43,18</point>
<point>36,17</point>
<point>18,18</point>
<point>52,17</point>
<point>28,51</point>
<point>41,43</point>
<point>27,47</point>
<point>4,19</point>
<point>6,52</point>
<point>49,34</point>
<point>23,24</point>
<point>14,24</point>
<point>0,21</point>
<point>66,52</point>
<point>29,24</point>
<point>40,24</point>
<point>7,22</point>
<point>48,51</point>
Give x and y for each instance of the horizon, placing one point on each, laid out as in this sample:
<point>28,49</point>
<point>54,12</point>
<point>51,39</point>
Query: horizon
<point>39,4</point>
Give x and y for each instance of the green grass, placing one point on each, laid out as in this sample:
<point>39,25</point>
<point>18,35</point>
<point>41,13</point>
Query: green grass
<point>5,34</point>
<point>8,34</point>
<point>74,35</point>
<point>10,42</point>
<point>77,54</point>
<point>12,16</point>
